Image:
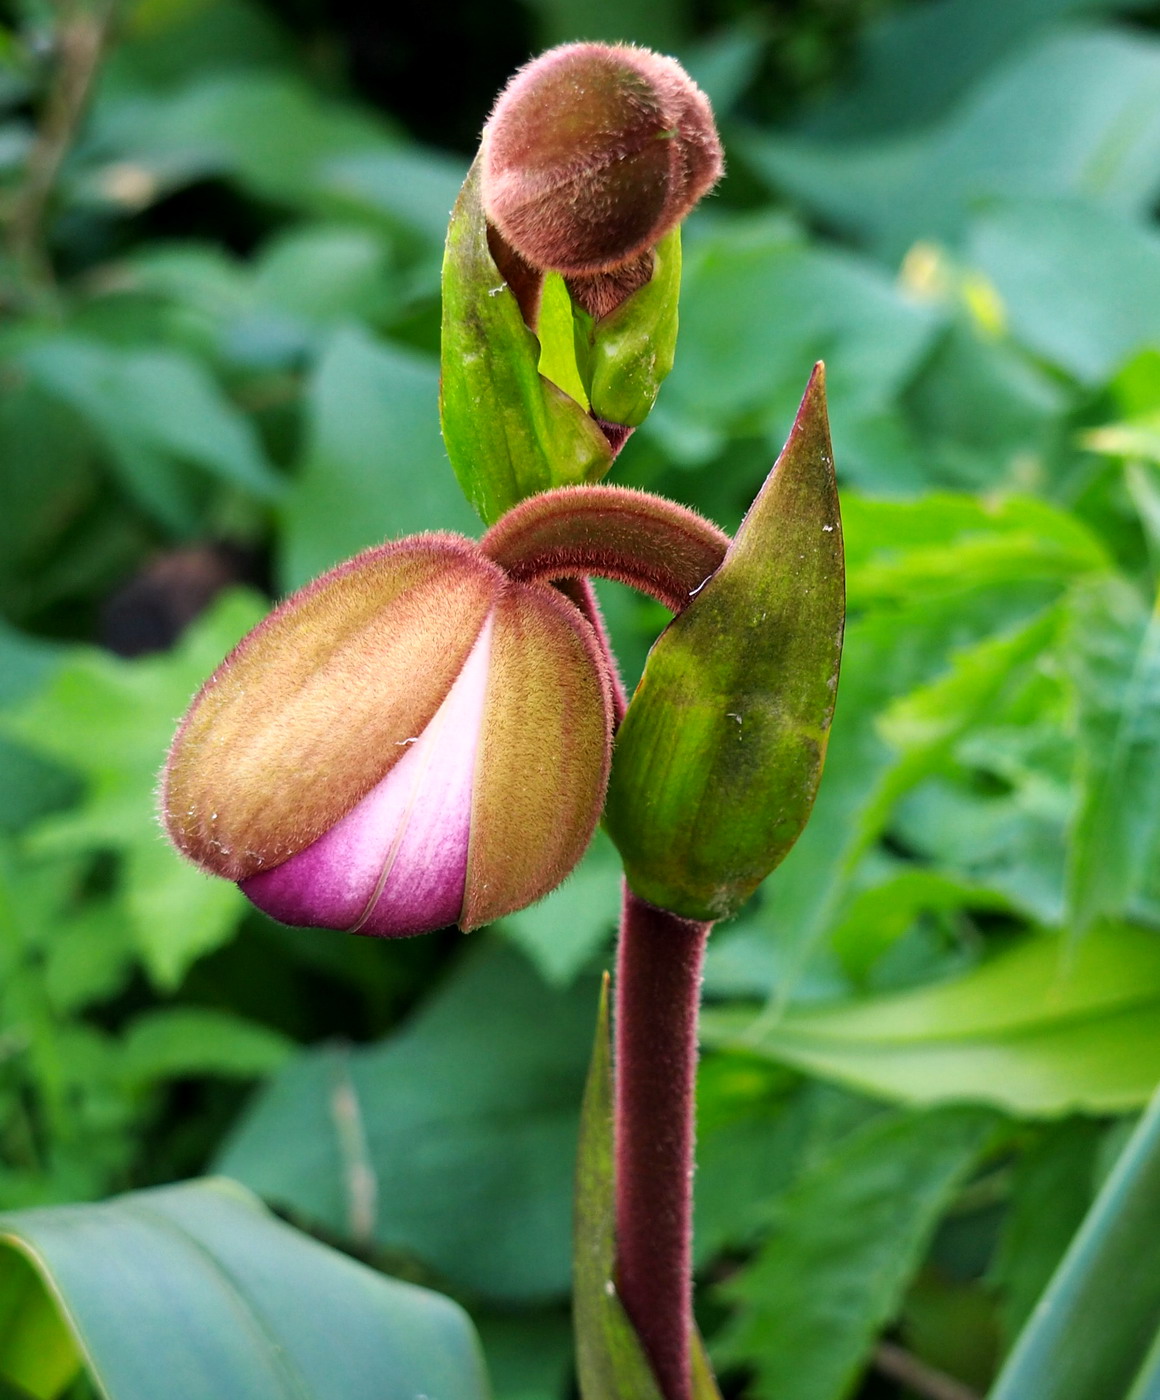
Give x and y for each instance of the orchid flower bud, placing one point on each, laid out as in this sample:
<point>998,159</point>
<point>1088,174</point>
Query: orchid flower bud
<point>415,739</point>
<point>592,154</point>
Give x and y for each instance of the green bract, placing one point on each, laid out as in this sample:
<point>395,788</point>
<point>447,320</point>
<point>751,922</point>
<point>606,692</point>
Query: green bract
<point>509,431</point>
<point>719,756</point>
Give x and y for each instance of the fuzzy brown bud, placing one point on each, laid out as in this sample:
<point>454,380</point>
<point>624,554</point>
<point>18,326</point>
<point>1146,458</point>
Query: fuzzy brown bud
<point>593,153</point>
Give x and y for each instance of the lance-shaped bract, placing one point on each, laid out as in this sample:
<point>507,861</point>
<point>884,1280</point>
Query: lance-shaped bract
<point>413,740</point>
<point>719,756</point>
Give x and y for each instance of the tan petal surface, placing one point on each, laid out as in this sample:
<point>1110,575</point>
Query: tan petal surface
<point>318,703</point>
<point>543,757</point>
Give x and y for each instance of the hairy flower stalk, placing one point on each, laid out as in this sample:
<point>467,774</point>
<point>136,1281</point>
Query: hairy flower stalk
<point>658,995</point>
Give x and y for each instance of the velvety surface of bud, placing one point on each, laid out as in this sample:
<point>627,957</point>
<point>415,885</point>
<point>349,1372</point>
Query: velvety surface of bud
<point>593,152</point>
<point>413,740</point>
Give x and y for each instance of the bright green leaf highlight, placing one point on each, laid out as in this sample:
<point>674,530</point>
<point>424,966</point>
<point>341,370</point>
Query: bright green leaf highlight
<point>1049,1027</point>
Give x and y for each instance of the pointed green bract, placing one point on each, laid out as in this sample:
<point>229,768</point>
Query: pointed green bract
<point>630,351</point>
<point>610,1361</point>
<point>719,757</point>
<point>509,431</point>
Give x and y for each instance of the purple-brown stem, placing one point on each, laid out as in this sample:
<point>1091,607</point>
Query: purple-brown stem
<point>658,993</point>
<point>581,592</point>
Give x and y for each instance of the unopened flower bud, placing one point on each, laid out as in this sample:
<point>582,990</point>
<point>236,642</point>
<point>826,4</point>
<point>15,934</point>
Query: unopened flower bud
<point>593,153</point>
<point>719,756</point>
<point>413,740</point>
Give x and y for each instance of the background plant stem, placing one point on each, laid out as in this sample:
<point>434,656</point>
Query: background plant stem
<point>658,991</point>
<point>81,34</point>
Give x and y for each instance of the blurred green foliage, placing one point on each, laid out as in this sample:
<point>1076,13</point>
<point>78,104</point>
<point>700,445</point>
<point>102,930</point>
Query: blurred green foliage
<point>930,1030</point>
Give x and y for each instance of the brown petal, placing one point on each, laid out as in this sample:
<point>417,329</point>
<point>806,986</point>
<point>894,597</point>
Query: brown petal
<point>544,753</point>
<point>317,704</point>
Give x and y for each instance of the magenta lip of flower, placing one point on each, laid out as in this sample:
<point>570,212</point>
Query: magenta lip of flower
<point>396,864</point>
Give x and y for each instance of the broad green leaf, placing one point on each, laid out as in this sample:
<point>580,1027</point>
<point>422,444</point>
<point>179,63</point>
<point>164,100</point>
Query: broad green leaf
<point>875,918</point>
<point>757,306</point>
<point>452,1140</point>
<point>987,416</point>
<point>1076,114</point>
<point>1079,285</point>
<point>1115,841</point>
<point>374,464</point>
<point>509,431</point>
<point>154,410</point>
<point>411,188</point>
<point>914,64</point>
<point>1146,1385</point>
<point>266,130</point>
<point>198,1283</point>
<point>564,931</point>
<point>111,722</point>
<point>957,544</point>
<point>1094,1326</point>
<point>1048,1027</point>
<point>322,273</point>
<point>847,1238</point>
<point>529,1353</point>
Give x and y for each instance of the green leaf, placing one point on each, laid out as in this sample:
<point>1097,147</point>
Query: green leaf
<point>374,464</point>
<point>201,1281</point>
<point>1095,1324</point>
<point>1115,840</point>
<point>1052,1190</point>
<point>452,1140</point>
<point>509,431</point>
<point>1049,1027</point>
<point>154,409</point>
<point>610,1361</point>
<point>847,1238</point>
<point>1076,114</point>
<point>111,721</point>
<point>757,306</point>
<point>1080,286</point>
<point>174,1042</point>
<point>719,757</point>
<point>266,130</point>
